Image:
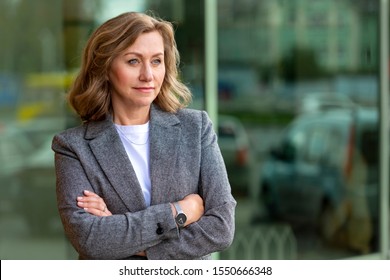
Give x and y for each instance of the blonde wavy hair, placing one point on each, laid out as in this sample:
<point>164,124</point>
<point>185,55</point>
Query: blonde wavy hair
<point>90,94</point>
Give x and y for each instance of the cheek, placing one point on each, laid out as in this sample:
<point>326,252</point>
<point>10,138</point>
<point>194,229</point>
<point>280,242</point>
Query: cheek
<point>161,76</point>
<point>120,76</point>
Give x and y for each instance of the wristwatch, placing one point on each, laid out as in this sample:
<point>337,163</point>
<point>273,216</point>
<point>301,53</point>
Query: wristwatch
<point>180,218</point>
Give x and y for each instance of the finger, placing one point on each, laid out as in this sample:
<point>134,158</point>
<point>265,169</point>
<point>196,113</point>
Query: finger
<point>92,204</point>
<point>89,193</point>
<point>97,212</point>
<point>92,199</point>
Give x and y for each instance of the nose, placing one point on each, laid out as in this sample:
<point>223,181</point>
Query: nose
<point>146,73</point>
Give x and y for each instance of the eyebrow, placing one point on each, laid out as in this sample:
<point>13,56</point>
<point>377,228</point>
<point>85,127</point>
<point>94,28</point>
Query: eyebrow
<point>139,54</point>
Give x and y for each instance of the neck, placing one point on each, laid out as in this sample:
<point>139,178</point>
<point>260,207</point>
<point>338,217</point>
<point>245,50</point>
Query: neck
<point>134,117</point>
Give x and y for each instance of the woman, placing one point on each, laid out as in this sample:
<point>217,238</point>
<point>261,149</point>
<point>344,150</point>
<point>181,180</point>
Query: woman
<point>142,177</point>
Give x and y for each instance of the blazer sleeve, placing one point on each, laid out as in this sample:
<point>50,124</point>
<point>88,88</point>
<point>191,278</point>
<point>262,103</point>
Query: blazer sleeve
<point>115,237</point>
<point>215,230</point>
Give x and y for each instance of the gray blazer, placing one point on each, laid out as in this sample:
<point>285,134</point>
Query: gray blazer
<point>184,159</point>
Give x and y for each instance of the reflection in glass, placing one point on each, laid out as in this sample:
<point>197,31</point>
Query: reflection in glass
<point>41,49</point>
<point>301,78</point>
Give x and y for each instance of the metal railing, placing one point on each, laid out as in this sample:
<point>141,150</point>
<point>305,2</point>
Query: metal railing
<point>276,242</point>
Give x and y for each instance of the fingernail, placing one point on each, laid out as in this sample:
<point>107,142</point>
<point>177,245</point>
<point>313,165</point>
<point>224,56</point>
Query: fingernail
<point>79,198</point>
<point>86,191</point>
<point>80,203</point>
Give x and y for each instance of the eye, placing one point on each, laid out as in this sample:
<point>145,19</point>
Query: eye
<point>133,61</point>
<point>156,61</point>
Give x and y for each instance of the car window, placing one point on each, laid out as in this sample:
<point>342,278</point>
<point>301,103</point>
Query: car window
<point>338,145</point>
<point>295,142</point>
<point>226,131</point>
<point>317,144</point>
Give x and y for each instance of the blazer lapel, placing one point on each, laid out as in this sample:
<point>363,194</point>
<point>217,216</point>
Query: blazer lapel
<point>108,149</point>
<point>165,134</point>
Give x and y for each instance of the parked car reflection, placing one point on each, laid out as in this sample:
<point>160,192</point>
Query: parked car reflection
<point>319,101</point>
<point>324,173</point>
<point>235,148</point>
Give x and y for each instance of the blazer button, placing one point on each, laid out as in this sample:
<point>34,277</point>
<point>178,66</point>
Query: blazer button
<point>159,229</point>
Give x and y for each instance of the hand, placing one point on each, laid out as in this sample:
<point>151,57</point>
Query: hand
<point>93,204</point>
<point>141,254</point>
<point>192,206</point>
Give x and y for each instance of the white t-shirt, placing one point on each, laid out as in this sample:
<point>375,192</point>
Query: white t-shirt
<point>135,138</point>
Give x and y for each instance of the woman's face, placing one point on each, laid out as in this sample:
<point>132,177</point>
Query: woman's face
<point>137,74</point>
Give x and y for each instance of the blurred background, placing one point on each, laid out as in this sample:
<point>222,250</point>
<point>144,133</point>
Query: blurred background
<point>297,110</point>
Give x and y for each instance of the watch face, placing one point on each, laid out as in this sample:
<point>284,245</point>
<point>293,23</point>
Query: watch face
<point>181,219</point>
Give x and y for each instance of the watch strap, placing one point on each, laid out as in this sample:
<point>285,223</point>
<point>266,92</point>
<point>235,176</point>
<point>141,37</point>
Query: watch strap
<point>178,208</point>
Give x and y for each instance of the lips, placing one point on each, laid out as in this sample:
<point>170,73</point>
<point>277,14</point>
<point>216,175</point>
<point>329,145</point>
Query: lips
<point>145,89</point>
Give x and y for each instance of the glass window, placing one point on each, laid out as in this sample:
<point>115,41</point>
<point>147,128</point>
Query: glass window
<point>41,51</point>
<point>311,67</point>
